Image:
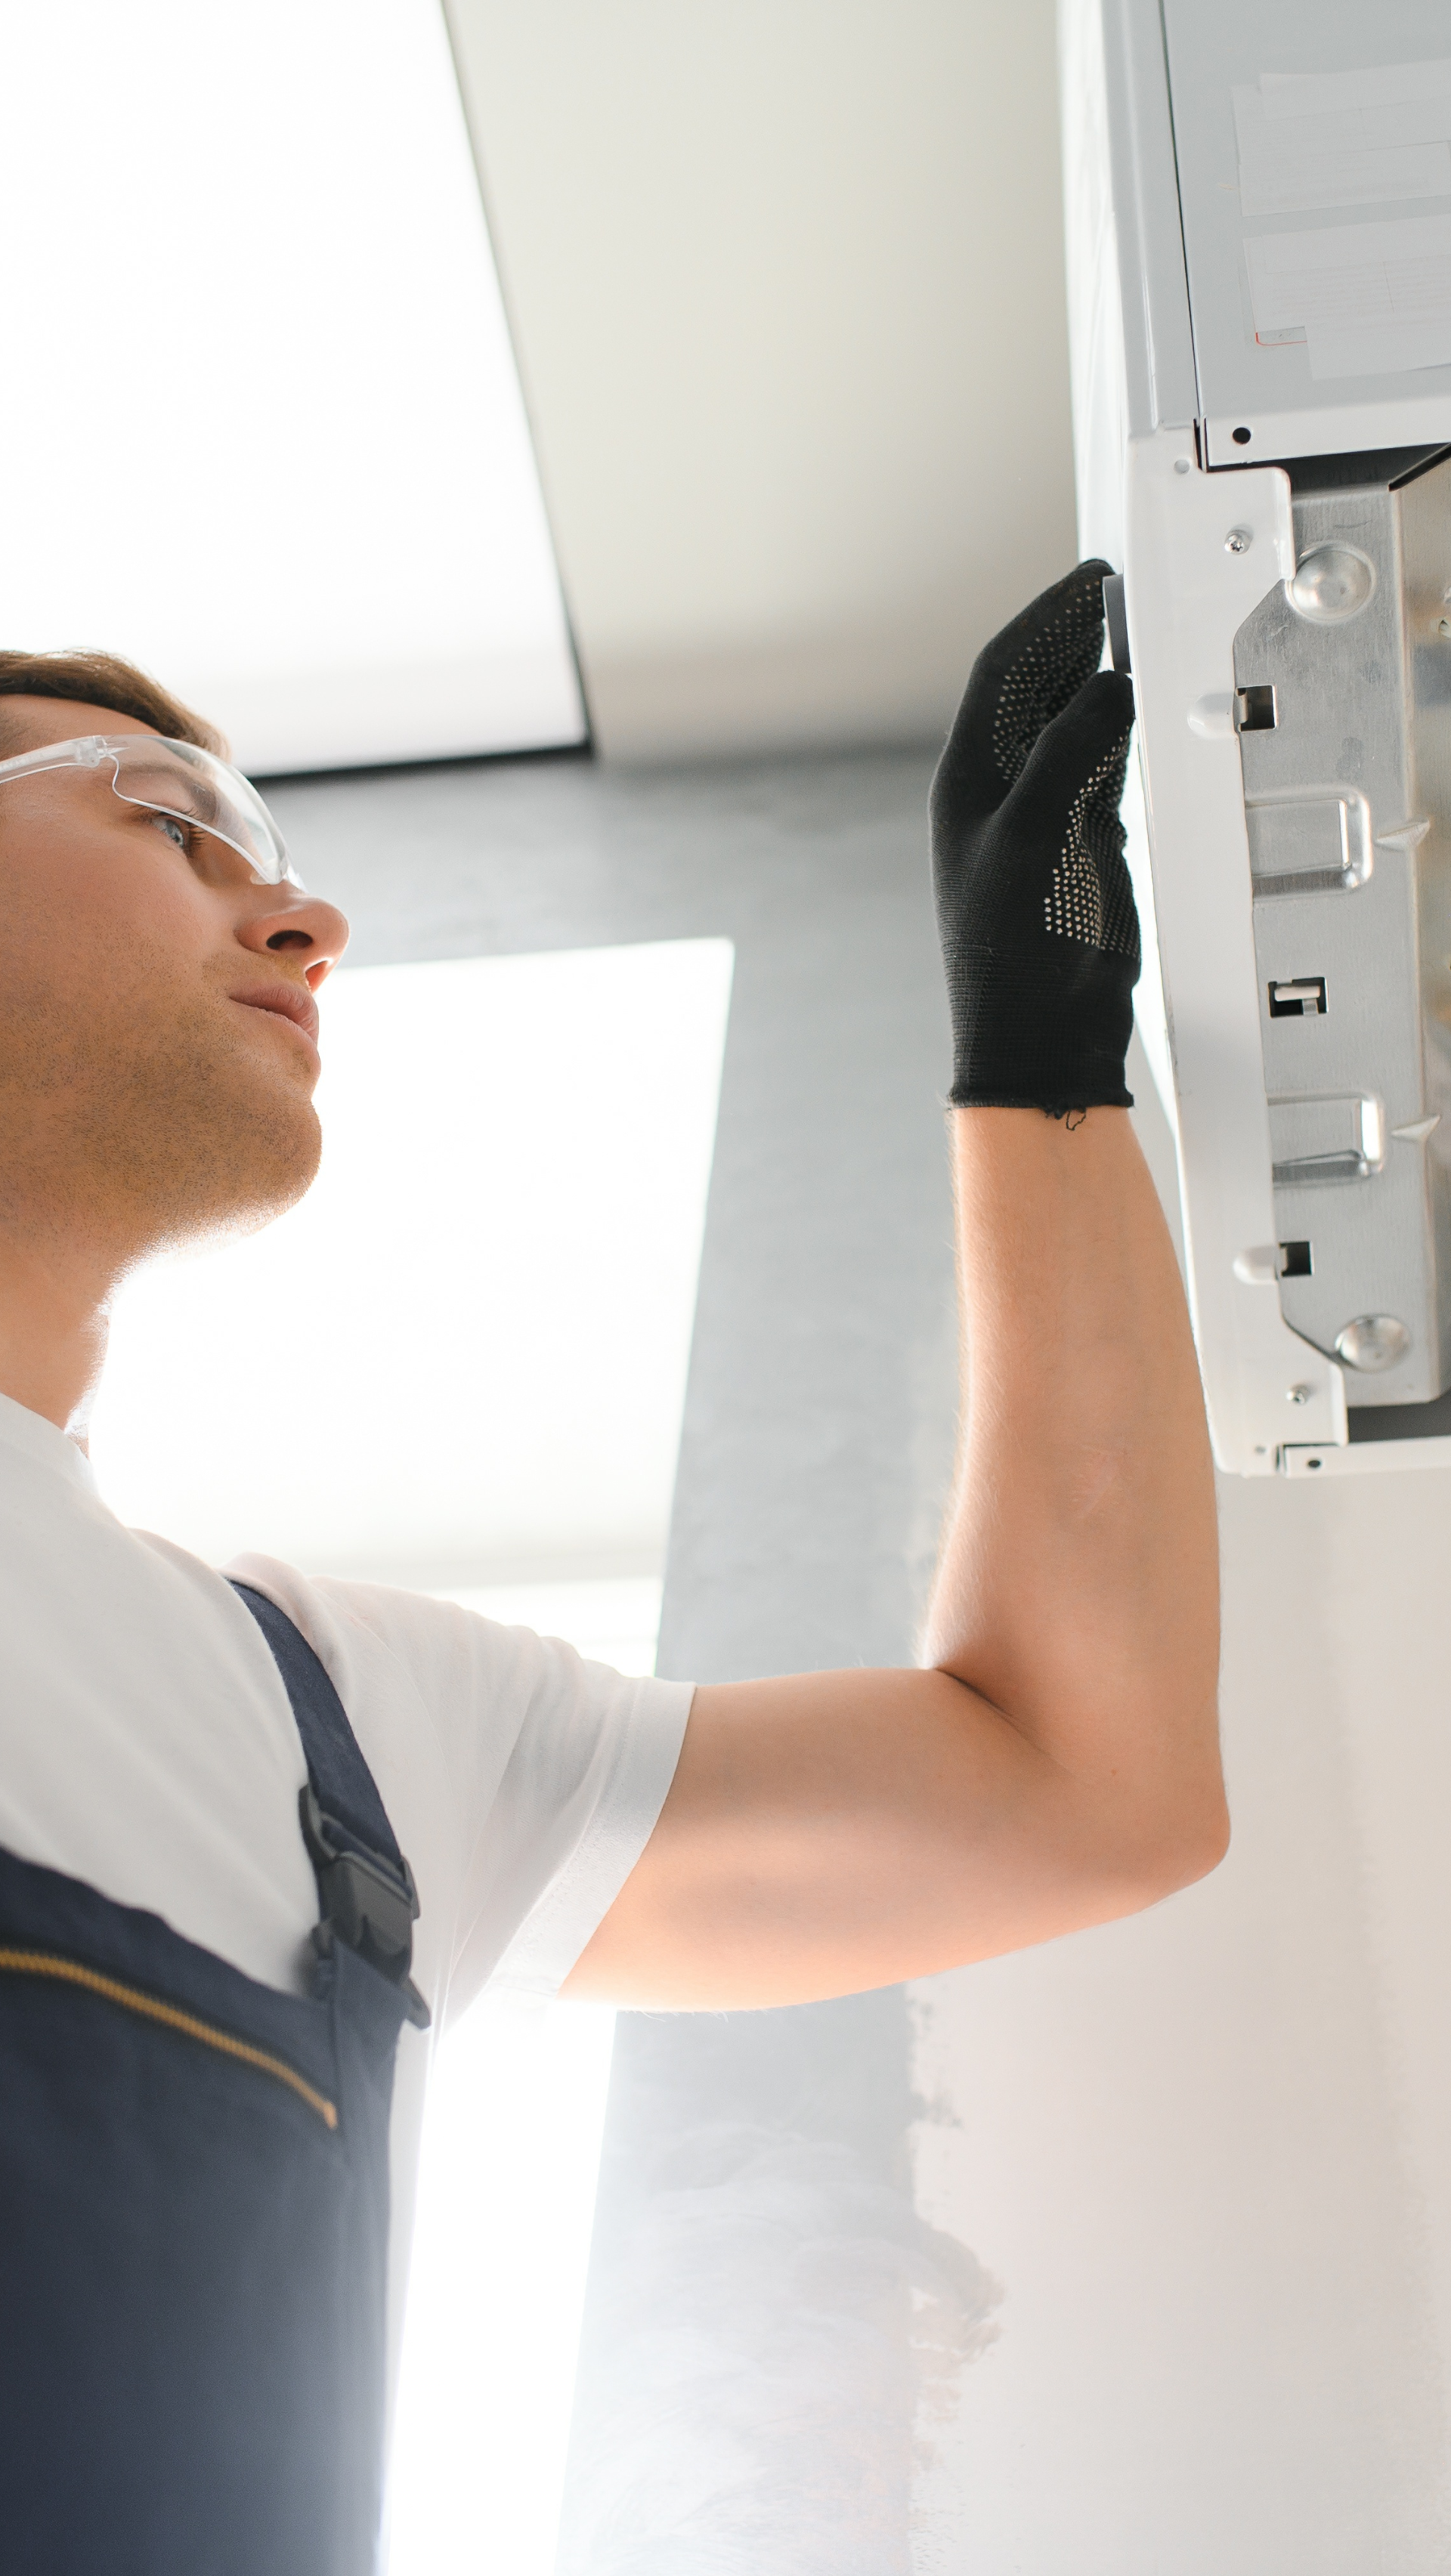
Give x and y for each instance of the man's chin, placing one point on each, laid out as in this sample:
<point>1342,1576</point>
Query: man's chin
<point>261,1173</point>
<point>230,1177</point>
<point>147,1120</point>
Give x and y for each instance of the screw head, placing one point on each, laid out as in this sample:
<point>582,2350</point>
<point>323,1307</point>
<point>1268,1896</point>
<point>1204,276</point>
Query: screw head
<point>1239,541</point>
<point>1299,1394</point>
<point>1331,582</point>
<point>1373,1342</point>
<point>1443,626</point>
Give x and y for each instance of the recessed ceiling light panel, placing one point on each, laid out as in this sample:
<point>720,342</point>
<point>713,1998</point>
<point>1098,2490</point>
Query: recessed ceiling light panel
<point>264,431</point>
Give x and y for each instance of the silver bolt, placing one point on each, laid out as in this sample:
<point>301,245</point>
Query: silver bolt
<point>1331,582</point>
<point>1181,464</point>
<point>1300,1394</point>
<point>1239,541</point>
<point>1373,1342</point>
<point>1444,626</point>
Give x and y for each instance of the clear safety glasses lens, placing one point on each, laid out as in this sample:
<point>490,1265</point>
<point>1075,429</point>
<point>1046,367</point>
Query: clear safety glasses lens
<point>176,778</point>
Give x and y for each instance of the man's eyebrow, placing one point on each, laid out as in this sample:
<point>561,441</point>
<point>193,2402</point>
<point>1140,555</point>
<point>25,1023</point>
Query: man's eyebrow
<point>182,785</point>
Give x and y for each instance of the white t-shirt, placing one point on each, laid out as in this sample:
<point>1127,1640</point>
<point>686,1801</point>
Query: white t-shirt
<point>147,1746</point>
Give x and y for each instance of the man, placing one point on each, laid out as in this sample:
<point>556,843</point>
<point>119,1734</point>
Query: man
<point>196,2072</point>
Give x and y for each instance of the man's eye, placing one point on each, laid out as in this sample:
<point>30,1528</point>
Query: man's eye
<point>177,832</point>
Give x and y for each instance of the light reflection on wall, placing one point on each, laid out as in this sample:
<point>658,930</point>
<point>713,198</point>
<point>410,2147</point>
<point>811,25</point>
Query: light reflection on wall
<point>474,1333</point>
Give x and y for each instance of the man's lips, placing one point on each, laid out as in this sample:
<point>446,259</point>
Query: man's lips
<point>287,1001</point>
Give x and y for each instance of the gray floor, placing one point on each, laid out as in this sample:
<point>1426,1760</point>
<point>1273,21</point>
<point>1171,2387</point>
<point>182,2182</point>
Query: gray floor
<point>750,2377</point>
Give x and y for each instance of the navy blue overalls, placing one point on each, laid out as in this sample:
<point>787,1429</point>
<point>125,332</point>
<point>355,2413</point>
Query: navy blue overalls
<point>194,2209</point>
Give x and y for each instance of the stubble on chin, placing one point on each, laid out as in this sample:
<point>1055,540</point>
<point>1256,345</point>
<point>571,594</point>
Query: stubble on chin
<point>149,1129</point>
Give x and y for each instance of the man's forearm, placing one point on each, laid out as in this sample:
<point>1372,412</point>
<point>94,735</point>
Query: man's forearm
<point>1078,1586</point>
<point>833,1830</point>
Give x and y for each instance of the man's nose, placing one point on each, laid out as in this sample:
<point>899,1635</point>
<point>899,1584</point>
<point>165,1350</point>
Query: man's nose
<point>297,923</point>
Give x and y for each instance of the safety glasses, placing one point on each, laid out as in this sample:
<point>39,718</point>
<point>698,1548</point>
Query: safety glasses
<point>175,778</point>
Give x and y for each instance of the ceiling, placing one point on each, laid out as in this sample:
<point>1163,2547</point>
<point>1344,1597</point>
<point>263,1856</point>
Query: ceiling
<point>786,289</point>
<point>264,427</point>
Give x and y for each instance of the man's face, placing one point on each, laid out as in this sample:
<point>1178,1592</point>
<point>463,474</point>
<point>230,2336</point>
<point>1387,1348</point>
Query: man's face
<point>157,1028</point>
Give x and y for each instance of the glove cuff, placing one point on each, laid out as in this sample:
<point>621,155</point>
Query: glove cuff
<point>1026,1039</point>
<point>1074,1108</point>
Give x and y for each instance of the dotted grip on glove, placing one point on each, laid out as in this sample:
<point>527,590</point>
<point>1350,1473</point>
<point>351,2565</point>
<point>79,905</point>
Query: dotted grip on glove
<point>1035,910</point>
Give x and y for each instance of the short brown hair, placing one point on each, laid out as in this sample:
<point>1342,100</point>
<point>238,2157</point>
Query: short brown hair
<point>99,680</point>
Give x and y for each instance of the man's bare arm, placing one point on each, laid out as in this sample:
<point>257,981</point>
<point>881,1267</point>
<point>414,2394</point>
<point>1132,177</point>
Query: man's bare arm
<point>1059,1765</point>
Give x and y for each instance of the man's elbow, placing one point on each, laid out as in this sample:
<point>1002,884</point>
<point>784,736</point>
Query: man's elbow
<point>1181,1847</point>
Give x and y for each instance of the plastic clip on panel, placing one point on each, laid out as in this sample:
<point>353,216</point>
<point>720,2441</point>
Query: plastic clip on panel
<point>364,1901</point>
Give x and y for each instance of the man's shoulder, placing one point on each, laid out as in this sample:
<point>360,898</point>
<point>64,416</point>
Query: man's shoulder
<point>360,1630</point>
<point>400,1656</point>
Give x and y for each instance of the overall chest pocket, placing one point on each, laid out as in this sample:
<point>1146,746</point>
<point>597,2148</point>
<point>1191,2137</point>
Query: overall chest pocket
<point>179,2244</point>
<point>194,2206</point>
<point>165,2015</point>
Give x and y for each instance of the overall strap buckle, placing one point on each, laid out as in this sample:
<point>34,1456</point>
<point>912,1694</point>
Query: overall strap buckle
<point>365,1901</point>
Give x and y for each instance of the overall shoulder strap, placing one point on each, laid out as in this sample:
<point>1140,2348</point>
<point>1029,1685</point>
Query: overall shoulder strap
<point>365,1886</point>
<point>345,1786</point>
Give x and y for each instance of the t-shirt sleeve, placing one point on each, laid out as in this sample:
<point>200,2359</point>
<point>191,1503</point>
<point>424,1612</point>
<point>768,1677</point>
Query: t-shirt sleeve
<point>578,1802</point>
<point>523,1781</point>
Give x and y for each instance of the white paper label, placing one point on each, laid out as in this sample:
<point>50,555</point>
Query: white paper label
<point>1310,139</point>
<point>1370,299</point>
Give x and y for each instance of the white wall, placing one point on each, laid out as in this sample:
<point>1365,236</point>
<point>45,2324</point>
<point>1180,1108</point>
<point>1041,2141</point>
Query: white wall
<point>786,287</point>
<point>1206,2154</point>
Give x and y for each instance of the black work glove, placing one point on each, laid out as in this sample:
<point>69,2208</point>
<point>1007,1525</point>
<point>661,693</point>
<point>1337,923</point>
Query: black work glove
<point>1034,906</point>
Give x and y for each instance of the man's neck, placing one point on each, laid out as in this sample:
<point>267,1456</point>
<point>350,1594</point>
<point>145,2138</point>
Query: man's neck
<point>54,1320</point>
